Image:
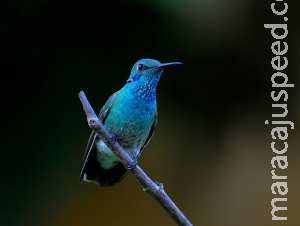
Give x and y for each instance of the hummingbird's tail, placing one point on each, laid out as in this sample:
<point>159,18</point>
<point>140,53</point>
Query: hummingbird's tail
<point>105,177</point>
<point>93,172</point>
<point>111,176</point>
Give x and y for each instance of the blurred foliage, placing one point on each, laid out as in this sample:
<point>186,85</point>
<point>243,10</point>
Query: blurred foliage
<point>211,148</point>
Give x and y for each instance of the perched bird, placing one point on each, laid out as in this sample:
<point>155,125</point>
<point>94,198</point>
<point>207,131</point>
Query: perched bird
<point>130,115</point>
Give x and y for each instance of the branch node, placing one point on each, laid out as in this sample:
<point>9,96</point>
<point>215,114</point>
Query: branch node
<point>145,189</point>
<point>92,122</point>
<point>160,185</point>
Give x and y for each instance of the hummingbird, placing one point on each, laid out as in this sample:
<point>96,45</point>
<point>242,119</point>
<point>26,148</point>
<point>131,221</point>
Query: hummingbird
<point>130,115</point>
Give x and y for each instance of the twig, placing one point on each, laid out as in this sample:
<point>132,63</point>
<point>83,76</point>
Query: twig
<point>155,190</point>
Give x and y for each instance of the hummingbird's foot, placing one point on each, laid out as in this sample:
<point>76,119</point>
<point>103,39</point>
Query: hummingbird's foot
<point>134,164</point>
<point>113,137</point>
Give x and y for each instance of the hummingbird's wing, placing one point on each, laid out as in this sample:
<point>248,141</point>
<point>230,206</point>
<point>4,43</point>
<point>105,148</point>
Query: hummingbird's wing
<point>87,152</point>
<point>107,107</point>
<point>151,133</point>
<point>93,165</point>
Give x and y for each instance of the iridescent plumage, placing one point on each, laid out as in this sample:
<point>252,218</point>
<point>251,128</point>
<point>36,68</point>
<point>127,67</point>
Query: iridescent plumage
<point>131,115</point>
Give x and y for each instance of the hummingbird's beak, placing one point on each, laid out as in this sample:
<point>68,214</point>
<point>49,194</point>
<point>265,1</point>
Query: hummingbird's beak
<point>166,64</point>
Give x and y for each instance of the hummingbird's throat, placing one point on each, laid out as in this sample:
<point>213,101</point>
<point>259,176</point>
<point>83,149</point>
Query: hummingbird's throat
<point>146,91</point>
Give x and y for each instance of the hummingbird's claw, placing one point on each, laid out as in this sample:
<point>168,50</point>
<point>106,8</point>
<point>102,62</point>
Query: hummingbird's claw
<point>114,137</point>
<point>133,165</point>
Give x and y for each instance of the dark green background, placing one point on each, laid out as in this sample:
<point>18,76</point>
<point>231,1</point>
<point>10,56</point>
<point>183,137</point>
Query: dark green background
<point>211,148</point>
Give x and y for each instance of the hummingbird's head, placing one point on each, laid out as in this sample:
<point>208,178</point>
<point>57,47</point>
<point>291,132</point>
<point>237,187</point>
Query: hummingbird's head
<point>144,77</point>
<point>147,70</point>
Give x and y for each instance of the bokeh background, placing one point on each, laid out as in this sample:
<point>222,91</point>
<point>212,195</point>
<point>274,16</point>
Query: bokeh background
<point>211,149</point>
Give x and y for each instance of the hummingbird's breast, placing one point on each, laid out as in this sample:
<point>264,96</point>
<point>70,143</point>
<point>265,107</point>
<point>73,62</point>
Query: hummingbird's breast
<point>130,119</point>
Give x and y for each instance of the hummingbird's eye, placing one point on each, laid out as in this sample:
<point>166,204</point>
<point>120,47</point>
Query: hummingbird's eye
<point>141,67</point>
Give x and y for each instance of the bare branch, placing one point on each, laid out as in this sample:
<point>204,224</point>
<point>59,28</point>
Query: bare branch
<point>155,190</point>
